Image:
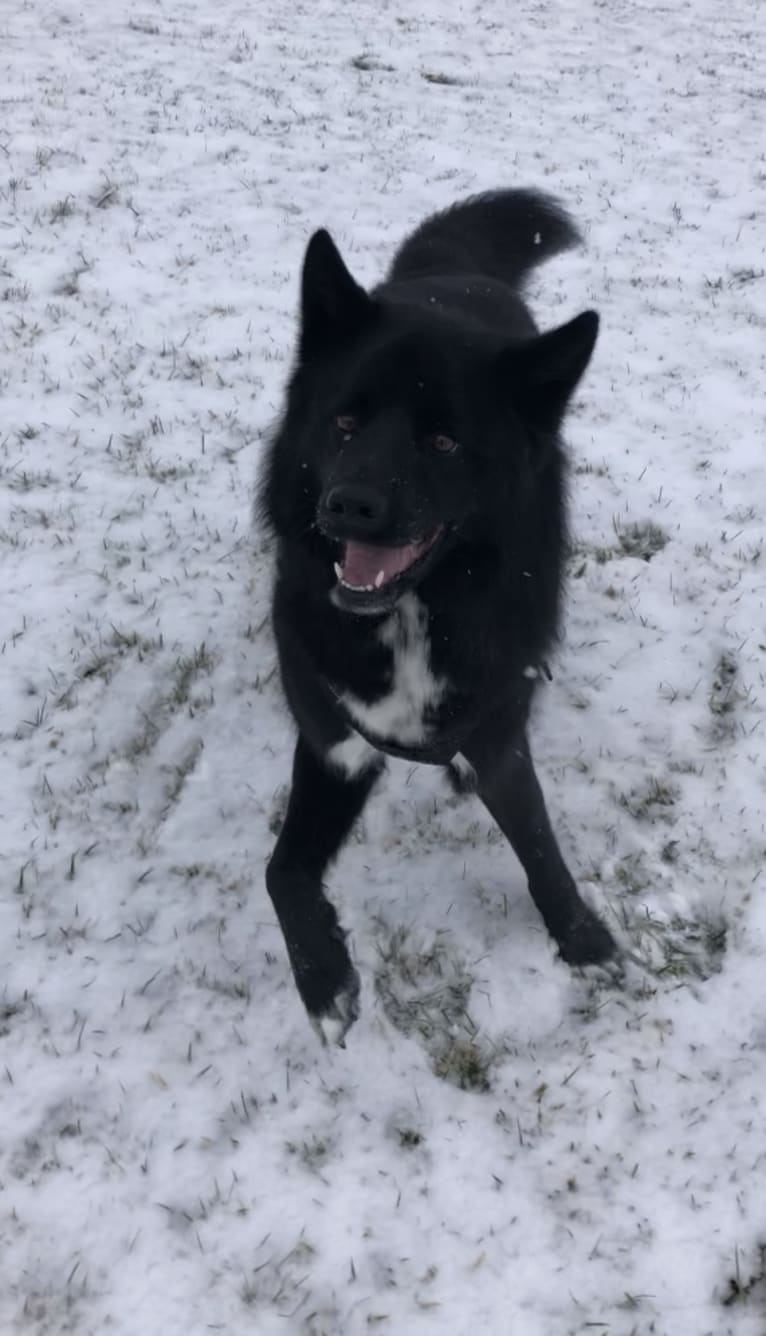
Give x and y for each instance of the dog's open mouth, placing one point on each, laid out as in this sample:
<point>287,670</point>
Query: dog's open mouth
<point>371,577</point>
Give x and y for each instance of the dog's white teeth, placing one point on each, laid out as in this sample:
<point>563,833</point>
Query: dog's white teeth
<point>338,571</point>
<point>358,589</point>
<point>379,578</point>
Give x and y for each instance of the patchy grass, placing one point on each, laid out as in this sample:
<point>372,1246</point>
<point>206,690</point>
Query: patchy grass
<point>652,800</point>
<point>726,698</point>
<point>746,1287</point>
<point>425,993</point>
<point>314,1152</point>
<point>465,1063</point>
<point>186,671</point>
<point>277,1282</point>
<point>409,1137</point>
<point>439,77</point>
<point>180,772</point>
<point>63,208</point>
<point>679,947</point>
<point>367,63</point>
<point>643,539</point>
<point>632,873</point>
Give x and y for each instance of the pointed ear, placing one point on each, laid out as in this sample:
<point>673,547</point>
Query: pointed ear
<point>543,373</point>
<point>333,305</point>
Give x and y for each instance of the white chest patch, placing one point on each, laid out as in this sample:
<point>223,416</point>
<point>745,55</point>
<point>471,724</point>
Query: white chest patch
<point>400,715</point>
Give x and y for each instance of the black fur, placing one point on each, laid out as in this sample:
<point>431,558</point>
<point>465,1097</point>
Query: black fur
<point>422,424</point>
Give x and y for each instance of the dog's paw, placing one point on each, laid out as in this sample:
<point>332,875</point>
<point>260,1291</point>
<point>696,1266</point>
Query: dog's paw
<point>326,979</point>
<point>334,1021</point>
<point>589,942</point>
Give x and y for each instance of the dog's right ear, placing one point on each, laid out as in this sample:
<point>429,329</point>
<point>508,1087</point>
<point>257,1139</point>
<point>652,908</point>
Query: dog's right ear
<point>333,305</point>
<point>543,372</point>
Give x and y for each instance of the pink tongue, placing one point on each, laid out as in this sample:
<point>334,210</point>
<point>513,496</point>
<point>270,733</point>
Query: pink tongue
<point>361,564</point>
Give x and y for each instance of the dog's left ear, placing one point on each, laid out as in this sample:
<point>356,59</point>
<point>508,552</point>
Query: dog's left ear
<point>543,372</point>
<point>333,305</point>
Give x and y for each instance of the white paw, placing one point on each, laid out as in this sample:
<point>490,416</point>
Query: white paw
<point>334,1023</point>
<point>463,775</point>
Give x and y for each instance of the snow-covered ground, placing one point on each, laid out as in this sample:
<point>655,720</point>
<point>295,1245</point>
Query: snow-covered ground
<point>177,1153</point>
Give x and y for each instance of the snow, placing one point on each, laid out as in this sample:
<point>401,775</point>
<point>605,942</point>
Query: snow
<point>177,1151</point>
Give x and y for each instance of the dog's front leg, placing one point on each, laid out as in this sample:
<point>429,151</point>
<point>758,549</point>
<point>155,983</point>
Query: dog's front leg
<point>508,786</point>
<point>323,805</point>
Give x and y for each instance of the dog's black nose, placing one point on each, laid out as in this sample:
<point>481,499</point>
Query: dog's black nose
<point>356,506</point>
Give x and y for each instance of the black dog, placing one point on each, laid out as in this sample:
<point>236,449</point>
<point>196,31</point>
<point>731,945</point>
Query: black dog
<point>416,488</point>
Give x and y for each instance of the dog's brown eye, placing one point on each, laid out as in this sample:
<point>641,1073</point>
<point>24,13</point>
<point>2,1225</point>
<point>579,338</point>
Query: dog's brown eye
<point>345,423</point>
<point>443,444</point>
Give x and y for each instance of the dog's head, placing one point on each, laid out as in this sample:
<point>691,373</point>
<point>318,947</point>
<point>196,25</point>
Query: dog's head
<point>411,431</point>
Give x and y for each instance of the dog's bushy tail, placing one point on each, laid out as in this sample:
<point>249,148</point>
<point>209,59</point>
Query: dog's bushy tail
<point>502,234</point>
